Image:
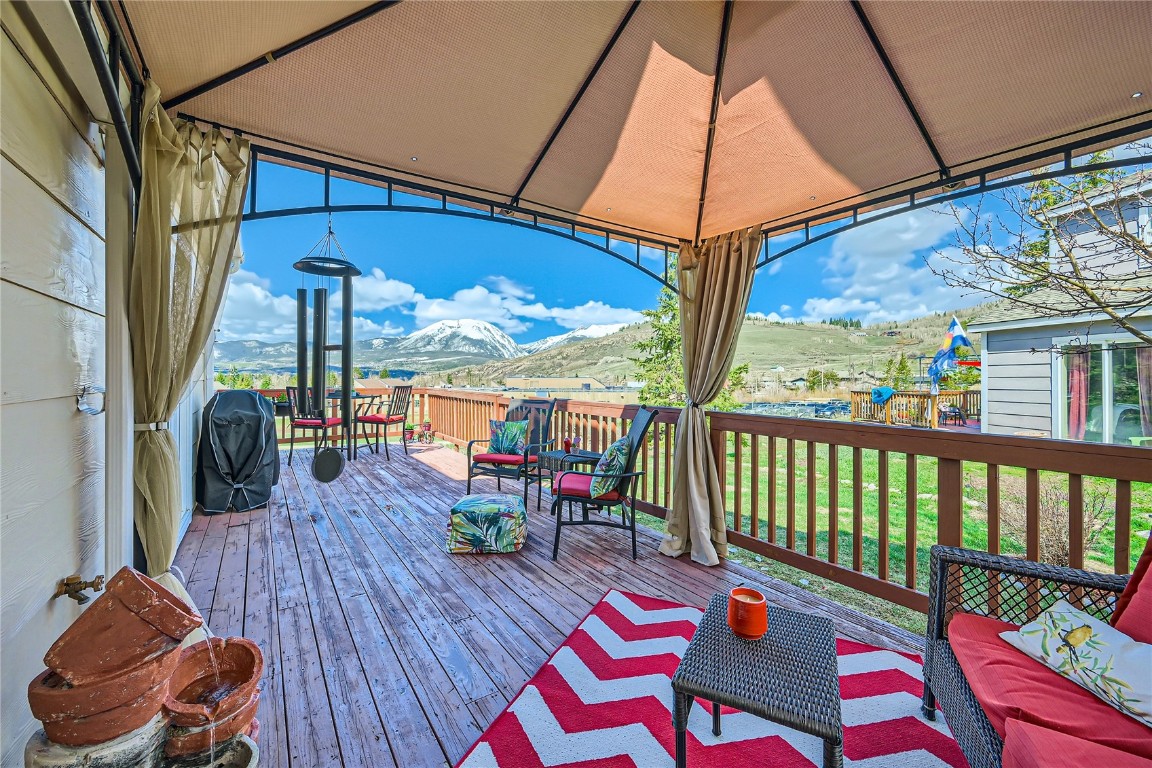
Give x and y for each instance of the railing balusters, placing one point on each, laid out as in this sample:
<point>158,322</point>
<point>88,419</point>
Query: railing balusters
<point>1123,542</point>
<point>772,489</point>
<point>738,479</point>
<point>911,516</point>
<point>833,504</point>
<point>1076,521</point>
<point>1032,514</point>
<point>993,508</point>
<point>810,492</point>
<point>754,487</point>
<point>857,510</point>
<point>882,513</point>
<point>790,481</point>
<point>950,500</point>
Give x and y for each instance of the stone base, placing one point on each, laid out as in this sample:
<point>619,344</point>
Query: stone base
<point>142,748</point>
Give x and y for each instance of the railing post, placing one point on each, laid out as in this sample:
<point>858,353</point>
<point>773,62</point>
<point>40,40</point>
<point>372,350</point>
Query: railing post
<point>950,502</point>
<point>888,412</point>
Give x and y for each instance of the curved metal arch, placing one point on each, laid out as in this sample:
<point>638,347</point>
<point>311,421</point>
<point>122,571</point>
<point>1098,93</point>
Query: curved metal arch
<point>979,185</point>
<point>467,206</point>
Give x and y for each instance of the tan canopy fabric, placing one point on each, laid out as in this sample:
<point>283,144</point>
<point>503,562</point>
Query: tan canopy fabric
<point>193,191</point>
<point>715,281</point>
<point>468,93</point>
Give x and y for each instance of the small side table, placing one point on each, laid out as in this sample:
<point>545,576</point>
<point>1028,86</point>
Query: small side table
<point>789,676</point>
<point>557,461</point>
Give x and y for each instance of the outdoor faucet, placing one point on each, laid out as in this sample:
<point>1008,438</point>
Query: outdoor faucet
<point>74,586</point>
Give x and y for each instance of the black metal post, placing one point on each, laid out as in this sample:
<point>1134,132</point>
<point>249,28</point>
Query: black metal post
<point>346,364</point>
<point>302,397</point>
<point>319,341</point>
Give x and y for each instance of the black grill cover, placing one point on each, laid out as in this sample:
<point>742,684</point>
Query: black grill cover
<point>238,461</point>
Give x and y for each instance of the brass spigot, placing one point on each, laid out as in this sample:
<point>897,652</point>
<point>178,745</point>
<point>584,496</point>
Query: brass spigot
<point>74,586</point>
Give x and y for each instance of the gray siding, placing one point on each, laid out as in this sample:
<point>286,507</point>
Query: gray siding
<point>1018,373</point>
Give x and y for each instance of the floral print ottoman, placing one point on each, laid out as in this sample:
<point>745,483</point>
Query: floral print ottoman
<point>487,522</point>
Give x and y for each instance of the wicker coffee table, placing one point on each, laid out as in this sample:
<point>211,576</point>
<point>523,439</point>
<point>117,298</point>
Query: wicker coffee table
<point>789,676</point>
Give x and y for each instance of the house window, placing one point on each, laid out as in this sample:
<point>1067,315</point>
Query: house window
<point>1108,393</point>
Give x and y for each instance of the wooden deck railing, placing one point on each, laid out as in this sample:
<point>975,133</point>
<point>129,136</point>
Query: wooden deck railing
<point>861,504</point>
<point>912,409</point>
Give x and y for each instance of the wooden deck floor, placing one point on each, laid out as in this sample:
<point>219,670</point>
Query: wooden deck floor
<point>382,650</point>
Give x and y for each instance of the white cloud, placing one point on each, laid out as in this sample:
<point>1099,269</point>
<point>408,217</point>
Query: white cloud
<point>775,267</point>
<point>506,307</point>
<point>375,291</point>
<point>785,308</point>
<point>880,272</point>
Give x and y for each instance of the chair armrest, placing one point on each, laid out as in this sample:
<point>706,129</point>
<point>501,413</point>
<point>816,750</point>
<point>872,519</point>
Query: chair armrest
<point>1010,589</point>
<point>528,449</point>
<point>474,442</point>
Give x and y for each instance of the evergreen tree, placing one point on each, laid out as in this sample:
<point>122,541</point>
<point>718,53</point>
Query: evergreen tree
<point>903,379</point>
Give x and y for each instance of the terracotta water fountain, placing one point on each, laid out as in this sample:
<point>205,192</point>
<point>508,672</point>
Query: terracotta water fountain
<point>119,692</point>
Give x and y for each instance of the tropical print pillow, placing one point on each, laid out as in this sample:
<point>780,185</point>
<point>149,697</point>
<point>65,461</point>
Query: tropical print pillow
<point>483,523</point>
<point>508,437</point>
<point>609,469</point>
<point>1092,654</point>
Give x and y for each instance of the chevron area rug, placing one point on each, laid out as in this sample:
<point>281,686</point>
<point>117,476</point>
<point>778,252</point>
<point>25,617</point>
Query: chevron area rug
<point>604,701</point>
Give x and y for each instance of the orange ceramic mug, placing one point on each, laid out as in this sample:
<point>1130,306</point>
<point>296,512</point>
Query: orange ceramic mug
<point>747,613</point>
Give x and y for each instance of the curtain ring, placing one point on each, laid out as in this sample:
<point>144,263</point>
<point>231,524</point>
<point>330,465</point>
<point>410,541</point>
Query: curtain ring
<point>153,426</point>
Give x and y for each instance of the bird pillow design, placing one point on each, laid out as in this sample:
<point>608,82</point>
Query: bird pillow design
<point>1092,654</point>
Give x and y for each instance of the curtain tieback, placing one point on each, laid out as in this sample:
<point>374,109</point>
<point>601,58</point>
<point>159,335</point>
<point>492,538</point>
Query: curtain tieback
<point>150,426</point>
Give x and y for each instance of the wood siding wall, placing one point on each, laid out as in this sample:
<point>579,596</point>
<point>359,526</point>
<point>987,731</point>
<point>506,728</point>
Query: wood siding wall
<point>1018,373</point>
<point>52,299</point>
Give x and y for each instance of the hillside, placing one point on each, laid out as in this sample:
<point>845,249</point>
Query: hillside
<point>766,346</point>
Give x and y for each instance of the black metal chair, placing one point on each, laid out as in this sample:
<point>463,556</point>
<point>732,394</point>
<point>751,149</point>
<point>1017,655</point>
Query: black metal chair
<point>517,466</point>
<point>307,422</point>
<point>397,413</point>
<point>572,487</point>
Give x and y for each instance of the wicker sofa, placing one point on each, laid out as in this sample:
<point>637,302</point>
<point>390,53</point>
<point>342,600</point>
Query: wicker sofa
<point>1045,711</point>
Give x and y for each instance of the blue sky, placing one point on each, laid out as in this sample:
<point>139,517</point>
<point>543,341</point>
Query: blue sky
<point>421,268</point>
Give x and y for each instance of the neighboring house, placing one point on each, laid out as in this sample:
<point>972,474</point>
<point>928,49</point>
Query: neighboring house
<point>553,382</point>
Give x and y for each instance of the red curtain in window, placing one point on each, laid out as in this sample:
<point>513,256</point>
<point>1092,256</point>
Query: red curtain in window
<point>1077,393</point>
<point>1144,385</point>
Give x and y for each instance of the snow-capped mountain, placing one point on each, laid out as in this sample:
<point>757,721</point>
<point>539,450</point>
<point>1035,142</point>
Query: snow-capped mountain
<point>472,336</point>
<point>590,332</point>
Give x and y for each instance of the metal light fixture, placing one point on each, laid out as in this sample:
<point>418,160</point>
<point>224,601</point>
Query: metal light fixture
<point>321,261</point>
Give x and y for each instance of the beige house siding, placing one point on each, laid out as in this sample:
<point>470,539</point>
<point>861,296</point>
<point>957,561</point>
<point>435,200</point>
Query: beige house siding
<point>52,321</point>
<point>1018,381</point>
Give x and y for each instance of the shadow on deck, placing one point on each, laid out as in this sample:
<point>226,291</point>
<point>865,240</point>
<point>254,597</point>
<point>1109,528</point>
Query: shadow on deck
<point>382,650</point>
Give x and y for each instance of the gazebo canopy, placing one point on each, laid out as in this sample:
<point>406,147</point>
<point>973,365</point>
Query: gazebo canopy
<point>614,111</point>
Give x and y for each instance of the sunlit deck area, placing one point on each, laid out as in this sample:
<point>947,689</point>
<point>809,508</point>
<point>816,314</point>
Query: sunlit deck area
<point>380,648</point>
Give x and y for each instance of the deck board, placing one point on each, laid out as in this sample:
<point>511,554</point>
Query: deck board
<point>382,650</point>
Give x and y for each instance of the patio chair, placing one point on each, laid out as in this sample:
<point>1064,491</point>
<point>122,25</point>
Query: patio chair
<point>573,487</point>
<point>517,466</point>
<point>381,419</point>
<point>296,420</point>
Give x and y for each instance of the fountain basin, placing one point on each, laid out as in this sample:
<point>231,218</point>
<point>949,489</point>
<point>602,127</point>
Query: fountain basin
<point>107,725</point>
<point>134,621</point>
<point>214,678</point>
<point>184,742</point>
<point>239,752</point>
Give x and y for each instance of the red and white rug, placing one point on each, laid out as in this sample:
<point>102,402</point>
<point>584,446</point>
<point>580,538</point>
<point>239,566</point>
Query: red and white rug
<point>604,701</point>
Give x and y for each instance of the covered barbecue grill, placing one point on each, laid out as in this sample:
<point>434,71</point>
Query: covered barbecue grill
<point>238,460</point>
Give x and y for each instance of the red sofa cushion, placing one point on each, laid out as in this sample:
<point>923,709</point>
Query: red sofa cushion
<point>510,459</point>
<point>330,422</point>
<point>576,484</point>
<point>380,418</point>
<point>1133,614</point>
<point>1030,746</point>
<point>1011,685</point>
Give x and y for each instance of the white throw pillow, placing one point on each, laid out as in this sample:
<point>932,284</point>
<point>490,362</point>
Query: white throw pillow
<point>1092,654</point>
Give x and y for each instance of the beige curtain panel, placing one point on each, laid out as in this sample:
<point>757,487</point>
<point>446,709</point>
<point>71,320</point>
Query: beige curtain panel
<point>715,282</point>
<point>191,199</point>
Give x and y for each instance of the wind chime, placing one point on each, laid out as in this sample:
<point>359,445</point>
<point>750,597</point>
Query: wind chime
<point>326,260</point>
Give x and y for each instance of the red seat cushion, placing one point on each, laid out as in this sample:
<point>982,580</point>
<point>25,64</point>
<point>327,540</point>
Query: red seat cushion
<point>380,418</point>
<point>1011,685</point>
<point>1031,746</point>
<point>510,459</point>
<point>576,484</point>
<point>1133,614</point>
<point>329,422</point>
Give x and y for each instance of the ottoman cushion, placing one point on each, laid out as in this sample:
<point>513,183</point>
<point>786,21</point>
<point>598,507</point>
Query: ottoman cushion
<point>487,522</point>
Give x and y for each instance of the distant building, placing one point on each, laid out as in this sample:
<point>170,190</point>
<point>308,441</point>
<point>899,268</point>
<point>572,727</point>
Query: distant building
<point>1077,375</point>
